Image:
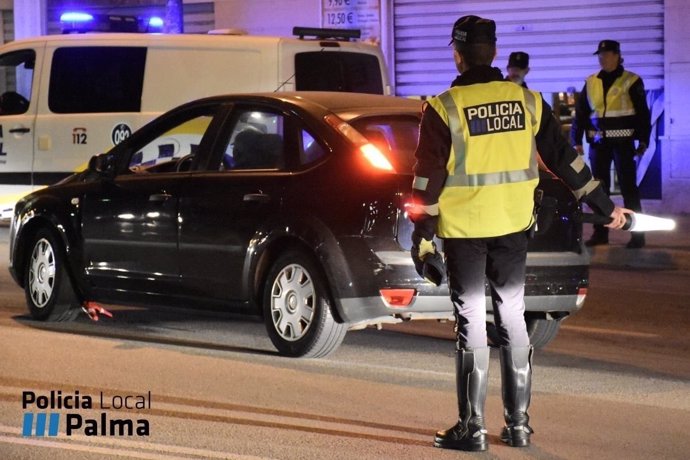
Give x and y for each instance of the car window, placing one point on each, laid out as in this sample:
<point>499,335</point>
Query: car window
<point>310,149</point>
<point>172,150</point>
<point>256,142</point>
<point>16,76</point>
<point>93,79</point>
<point>396,137</point>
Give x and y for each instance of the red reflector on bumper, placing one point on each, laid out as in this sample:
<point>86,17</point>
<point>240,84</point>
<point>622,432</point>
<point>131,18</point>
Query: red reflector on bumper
<point>398,298</point>
<point>581,295</point>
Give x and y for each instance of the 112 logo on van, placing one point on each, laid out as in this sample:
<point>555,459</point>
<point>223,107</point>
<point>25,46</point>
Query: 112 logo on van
<point>79,136</point>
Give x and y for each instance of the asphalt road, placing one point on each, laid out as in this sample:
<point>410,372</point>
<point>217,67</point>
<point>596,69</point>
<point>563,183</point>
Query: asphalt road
<point>614,384</point>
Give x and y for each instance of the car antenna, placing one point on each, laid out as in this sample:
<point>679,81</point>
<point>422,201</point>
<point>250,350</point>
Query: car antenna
<point>291,77</point>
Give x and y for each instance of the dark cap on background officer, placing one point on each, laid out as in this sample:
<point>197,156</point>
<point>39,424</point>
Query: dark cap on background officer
<point>608,45</point>
<point>474,184</point>
<point>518,67</point>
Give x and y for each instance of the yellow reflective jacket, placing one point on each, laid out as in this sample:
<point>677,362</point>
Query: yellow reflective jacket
<point>612,117</point>
<point>492,167</point>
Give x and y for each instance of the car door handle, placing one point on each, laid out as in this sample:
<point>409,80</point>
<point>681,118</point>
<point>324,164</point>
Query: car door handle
<point>159,197</point>
<point>257,197</point>
<point>20,130</point>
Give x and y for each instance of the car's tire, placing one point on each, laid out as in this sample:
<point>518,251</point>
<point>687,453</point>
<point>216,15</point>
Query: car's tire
<point>541,331</point>
<point>297,308</point>
<point>47,287</point>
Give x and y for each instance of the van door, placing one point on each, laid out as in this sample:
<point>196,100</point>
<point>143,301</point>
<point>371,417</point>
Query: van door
<point>18,91</point>
<point>92,102</point>
<point>328,65</point>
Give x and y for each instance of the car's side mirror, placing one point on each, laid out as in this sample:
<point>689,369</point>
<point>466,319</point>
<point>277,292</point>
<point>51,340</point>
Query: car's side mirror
<point>103,164</point>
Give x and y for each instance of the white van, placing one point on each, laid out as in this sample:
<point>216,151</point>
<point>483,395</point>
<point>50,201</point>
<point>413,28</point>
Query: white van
<point>64,98</point>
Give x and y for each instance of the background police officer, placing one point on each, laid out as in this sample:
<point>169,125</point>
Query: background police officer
<point>612,111</point>
<point>518,68</point>
<point>474,183</point>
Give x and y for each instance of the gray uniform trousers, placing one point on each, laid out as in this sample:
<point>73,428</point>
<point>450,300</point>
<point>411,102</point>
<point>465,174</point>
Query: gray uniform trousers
<point>501,260</point>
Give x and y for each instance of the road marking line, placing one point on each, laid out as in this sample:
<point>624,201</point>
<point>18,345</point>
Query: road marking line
<point>164,450</point>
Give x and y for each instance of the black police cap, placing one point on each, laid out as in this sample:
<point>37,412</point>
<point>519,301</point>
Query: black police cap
<point>473,29</point>
<point>518,59</point>
<point>608,45</point>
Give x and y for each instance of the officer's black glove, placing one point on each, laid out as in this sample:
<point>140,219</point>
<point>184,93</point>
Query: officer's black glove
<point>427,261</point>
<point>641,149</point>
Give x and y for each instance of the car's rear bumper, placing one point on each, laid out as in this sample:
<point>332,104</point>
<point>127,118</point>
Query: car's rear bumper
<point>554,283</point>
<point>364,311</point>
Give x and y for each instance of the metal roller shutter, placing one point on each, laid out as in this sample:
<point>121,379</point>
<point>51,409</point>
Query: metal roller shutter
<point>560,37</point>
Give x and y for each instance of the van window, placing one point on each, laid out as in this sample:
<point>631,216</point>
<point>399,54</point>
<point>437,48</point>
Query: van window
<point>338,71</point>
<point>96,79</point>
<point>16,77</point>
<point>169,147</point>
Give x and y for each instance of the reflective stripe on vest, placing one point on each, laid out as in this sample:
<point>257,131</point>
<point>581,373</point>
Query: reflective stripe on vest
<point>618,104</point>
<point>492,167</point>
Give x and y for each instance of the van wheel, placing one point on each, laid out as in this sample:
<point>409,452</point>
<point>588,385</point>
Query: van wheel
<point>48,289</point>
<point>297,309</point>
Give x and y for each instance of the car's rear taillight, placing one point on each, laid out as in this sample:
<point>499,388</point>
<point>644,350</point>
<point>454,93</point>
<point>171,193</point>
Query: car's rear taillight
<point>398,298</point>
<point>373,154</point>
<point>375,157</point>
<point>581,295</point>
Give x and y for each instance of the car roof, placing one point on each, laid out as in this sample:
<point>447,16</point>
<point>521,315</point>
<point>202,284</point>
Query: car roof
<point>345,105</point>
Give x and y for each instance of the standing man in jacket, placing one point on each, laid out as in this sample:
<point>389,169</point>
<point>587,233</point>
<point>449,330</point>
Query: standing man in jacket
<point>474,184</point>
<point>612,112</point>
<point>518,67</point>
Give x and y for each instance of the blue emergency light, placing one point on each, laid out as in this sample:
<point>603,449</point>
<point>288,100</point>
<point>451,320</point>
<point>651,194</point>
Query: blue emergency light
<point>81,22</point>
<point>156,22</point>
<point>75,17</point>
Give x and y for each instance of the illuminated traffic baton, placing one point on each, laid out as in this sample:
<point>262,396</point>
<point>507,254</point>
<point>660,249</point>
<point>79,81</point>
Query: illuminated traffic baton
<point>636,222</point>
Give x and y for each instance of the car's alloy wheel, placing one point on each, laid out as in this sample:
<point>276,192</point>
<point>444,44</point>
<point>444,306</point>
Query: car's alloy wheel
<point>292,302</point>
<point>42,273</point>
<point>297,308</point>
<point>49,293</point>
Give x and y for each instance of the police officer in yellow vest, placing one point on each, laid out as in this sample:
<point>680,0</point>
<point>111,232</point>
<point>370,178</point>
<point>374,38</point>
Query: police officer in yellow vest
<point>474,184</point>
<point>612,112</point>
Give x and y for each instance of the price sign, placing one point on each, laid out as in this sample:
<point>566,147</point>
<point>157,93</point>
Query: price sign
<point>353,14</point>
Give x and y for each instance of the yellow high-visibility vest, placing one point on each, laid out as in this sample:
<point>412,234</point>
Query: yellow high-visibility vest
<point>612,117</point>
<point>492,168</point>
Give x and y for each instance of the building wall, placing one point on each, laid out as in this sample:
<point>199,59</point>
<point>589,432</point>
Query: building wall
<point>267,17</point>
<point>676,141</point>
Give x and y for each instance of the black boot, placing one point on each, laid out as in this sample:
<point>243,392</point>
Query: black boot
<point>637,241</point>
<point>471,373</point>
<point>516,378</point>
<point>599,237</point>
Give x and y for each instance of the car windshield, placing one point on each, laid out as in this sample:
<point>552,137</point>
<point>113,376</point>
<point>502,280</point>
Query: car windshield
<point>395,135</point>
